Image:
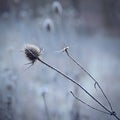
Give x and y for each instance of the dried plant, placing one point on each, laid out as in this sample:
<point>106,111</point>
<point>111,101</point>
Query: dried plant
<point>33,52</point>
<point>48,25</point>
<point>57,7</point>
<point>96,83</point>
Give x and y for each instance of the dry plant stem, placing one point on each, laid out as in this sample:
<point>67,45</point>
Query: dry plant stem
<point>73,81</point>
<point>46,108</point>
<point>112,113</point>
<point>88,104</point>
<point>116,116</point>
<point>96,83</point>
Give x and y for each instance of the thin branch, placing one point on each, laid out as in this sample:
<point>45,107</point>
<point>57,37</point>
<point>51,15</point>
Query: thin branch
<point>114,114</point>
<point>73,81</point>
<point>87,104</point>
<point>96,83</point>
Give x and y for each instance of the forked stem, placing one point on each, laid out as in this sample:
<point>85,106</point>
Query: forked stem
<point>96,83</point>
<point>87,104</point>
<point>73,81</point>
<point>33,53</point>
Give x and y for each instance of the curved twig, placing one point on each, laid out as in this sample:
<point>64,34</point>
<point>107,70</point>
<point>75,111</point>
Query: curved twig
<point>73,81</point>
<point>112,113</point>
<point>96,83</point>
<point>88,104</point>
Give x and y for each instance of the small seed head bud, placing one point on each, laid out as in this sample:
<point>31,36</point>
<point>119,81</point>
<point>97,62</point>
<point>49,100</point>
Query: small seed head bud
<point>48,25</point>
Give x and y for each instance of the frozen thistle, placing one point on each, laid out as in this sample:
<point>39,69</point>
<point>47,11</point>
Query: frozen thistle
<point>32,52</point>
<point>57,7</point>
<point>48,24</point>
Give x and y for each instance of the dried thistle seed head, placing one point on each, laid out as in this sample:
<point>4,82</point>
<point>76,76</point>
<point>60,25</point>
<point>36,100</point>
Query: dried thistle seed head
<point>57,7</point>
<point>32,52</point>
<point>48,24</point>
<point>43,90</point>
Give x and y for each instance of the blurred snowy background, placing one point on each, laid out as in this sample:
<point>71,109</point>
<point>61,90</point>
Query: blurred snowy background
<point>92,30</point>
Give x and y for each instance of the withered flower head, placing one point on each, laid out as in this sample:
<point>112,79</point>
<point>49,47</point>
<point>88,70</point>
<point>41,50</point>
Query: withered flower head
<point>57,7</point>
<point>32,52</point>
<point>48,24</point>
